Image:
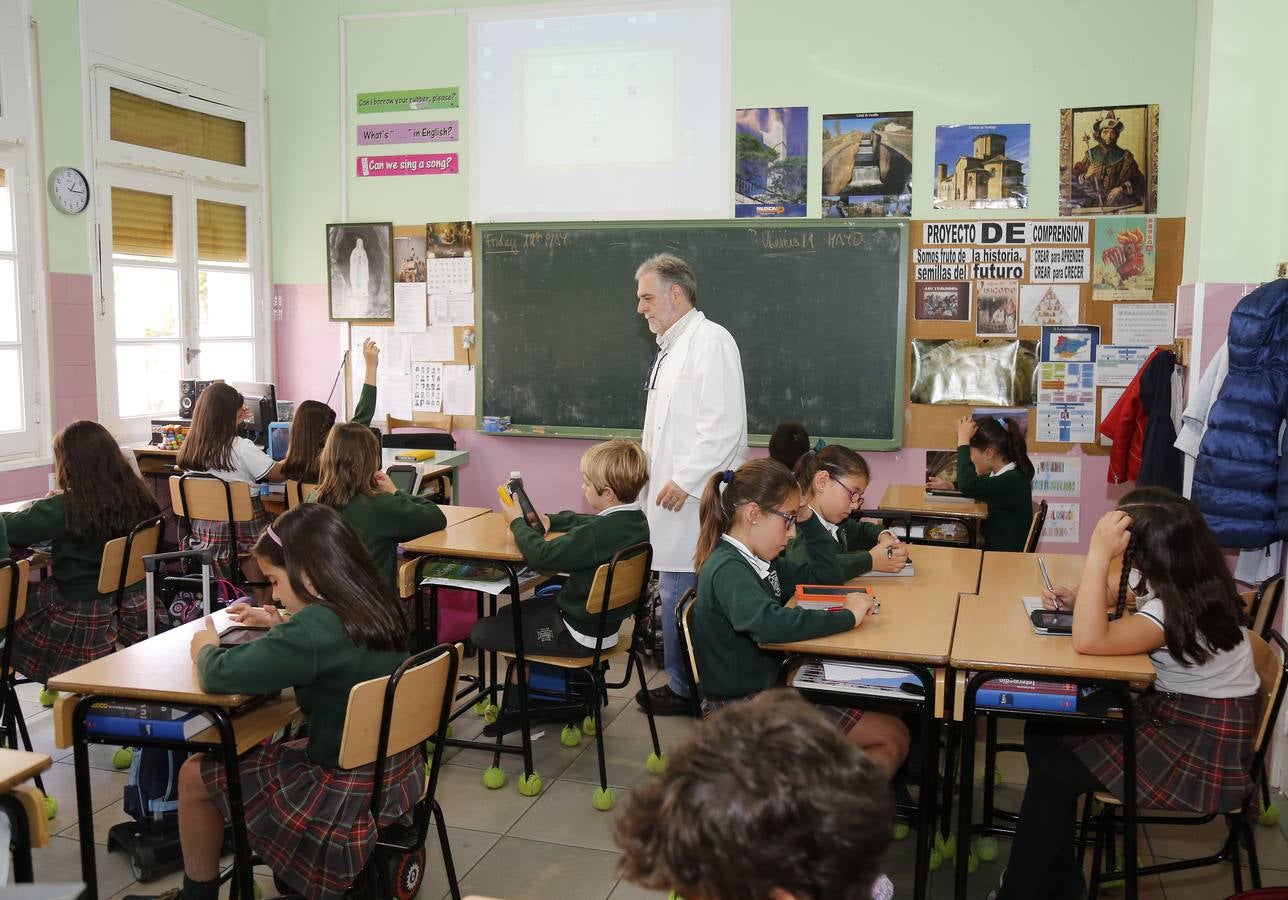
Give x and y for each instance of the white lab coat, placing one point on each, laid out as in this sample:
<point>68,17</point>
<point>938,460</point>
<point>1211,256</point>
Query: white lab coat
<point>695,424</point>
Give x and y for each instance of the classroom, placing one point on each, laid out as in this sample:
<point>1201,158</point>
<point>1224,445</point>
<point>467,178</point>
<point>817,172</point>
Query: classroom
<point>443,245</point>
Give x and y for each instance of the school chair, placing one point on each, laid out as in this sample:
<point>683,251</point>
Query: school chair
<point>621,583</point>
<point>298,492</point>
<point>684,628</point>
<point>384,717</point>
<point>13,606</point>
<point>1260,612</point>
<point>1035,527</point>
<point>1272,670</point>
<point>24,806</point>
<point>433,432</point>
<point>122,563</point>
<point>195,495</point>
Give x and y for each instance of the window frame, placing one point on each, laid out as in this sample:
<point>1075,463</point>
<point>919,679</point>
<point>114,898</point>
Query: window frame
<point>187,179</point>
<point>21,154</point>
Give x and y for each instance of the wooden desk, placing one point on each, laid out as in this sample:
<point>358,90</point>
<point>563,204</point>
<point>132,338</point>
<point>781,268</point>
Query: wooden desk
<point>483,536</point>
<point>457,514</point>
<point>23,807</point>
<point>39,559</point>
<point>912,501</point>
<point>443,459</point>
<point>994,638</point>
<point>160,670</point>
<point>915,629</point>
<point>154,460</point>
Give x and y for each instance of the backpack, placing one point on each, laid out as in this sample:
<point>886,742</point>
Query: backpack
<point>152,788</point>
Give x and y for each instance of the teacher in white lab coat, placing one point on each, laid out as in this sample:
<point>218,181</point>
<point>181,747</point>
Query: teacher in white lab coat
<point>695,424</point>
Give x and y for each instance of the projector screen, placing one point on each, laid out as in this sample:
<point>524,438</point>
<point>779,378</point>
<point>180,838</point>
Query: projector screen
<point>620,114</point>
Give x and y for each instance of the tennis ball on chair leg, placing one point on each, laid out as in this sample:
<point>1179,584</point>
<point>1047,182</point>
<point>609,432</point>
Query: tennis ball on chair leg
<point>493,778</point>
<point>51,806</point>
<point>47,697</point>
<point>530,785</point>
<point>122,758</point>
<point>570,736</point>
<point>603,799</point>
<point>1269,816</point>
<point>947,846</point>
<point>986,848</point>
<point>901,830</point>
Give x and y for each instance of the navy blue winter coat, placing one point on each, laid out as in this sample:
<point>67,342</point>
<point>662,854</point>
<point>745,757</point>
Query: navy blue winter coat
<point>1240,481</point>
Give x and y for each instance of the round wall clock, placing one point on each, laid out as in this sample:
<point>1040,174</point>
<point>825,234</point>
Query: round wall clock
<point>68,190</point>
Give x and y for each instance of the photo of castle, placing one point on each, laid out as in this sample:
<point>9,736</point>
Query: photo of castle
<point>981,166</point>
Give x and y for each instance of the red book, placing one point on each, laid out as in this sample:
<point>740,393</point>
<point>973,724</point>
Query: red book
<point>825,596</point>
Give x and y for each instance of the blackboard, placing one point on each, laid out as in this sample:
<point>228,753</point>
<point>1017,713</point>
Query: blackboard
<point>817,310</point>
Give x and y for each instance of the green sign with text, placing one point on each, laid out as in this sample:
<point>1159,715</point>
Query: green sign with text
<point>420,98</point>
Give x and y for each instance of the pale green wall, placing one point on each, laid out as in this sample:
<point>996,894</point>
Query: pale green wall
<point>1002,62</point>
<point>63,110</point>
<point>1238,203</point>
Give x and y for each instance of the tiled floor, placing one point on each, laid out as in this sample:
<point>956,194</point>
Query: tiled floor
<point>556,845</point>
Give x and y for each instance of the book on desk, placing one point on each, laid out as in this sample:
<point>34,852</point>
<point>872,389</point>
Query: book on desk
<point>127,719</point>
<point>858,678</point>
<point>826,596</point>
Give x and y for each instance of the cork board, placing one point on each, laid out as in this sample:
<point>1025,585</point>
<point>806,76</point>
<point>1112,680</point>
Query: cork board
<point>934,425</point>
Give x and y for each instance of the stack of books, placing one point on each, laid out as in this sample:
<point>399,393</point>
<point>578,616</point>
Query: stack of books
<point>1028,693</point>
<point>857,678</point>
<point>126,719</point>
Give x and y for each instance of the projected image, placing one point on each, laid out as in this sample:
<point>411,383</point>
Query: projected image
<point>600,108</point>
<point>770,161</point>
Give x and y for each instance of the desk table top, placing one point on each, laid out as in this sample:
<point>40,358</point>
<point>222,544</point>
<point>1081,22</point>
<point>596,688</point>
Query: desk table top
<point>16,766</point>
<point>485,536</point>
<point>917,613</point>
<point>993,632</point>
<point>913,500</point>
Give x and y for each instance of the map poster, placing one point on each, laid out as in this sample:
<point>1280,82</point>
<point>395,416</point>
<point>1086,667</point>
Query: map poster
<point>1069,343</point>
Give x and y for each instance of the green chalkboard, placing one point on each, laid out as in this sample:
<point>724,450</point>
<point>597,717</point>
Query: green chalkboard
<point>817,309</point>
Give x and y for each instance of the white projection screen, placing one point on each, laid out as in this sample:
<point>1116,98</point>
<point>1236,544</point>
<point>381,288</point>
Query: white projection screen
<point>615,112</point>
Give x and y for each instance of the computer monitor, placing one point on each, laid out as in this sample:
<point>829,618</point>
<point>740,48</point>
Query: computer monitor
<point>261,402</point>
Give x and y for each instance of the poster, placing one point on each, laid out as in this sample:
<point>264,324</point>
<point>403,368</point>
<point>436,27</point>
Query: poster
<point>770,155</point>
<point>997,305</point>
<point>1144,324</point>
<point>427,386</point>
<point>451,309</point>
<point>409,259</point>
<point>449,267</point>
<point>1116,365</point>
<point>1125,252</point>
<point>1108,160</point>
<point>942,301</point>
<point>1061,526</point>
<point>360,272</point>
<point>1109,398</point>
<point>1049,304</point>
<point>981,166</point>
<point>867,165</point>
<point>409,308</point>
<point>1069,343</point>
<point>1056,476</point>
<point>1066,406</point>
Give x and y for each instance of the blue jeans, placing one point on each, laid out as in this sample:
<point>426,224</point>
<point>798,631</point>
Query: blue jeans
<point>672,586</point>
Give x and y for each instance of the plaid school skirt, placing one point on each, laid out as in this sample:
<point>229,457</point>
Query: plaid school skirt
<point>312,824</point>
<point>213,533</point>
<point>1192,753</point>
<point>843,718</point>
<point>57,635</point>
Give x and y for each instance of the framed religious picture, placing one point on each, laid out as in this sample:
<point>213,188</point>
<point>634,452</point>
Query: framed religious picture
<point>1108,160</point>
<point>360,271</point>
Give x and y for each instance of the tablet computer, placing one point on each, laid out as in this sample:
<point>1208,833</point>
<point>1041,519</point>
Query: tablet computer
<point>241,634</point>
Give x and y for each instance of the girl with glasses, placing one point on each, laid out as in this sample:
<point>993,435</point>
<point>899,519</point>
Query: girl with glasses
<point>747,519</point>
<point>832,481</point>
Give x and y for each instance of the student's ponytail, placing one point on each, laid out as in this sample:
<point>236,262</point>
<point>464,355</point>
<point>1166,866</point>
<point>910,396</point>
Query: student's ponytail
<point>1018,449</point>
<point>764,482</point>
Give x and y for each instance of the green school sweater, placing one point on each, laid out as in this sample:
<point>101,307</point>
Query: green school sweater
<point>590,542</point>
<point>76,563</point>
<point>854,539</point>
<point>736,610</point>
<point>383,520</point>
<point>1010,502</point>
<point>310,652</point>
<point>366,407</point>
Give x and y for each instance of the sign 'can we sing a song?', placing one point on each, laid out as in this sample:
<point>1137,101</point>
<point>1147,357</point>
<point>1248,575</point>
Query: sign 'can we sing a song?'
<point>409,164</point>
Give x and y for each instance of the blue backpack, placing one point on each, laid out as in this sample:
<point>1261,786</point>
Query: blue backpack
<point>152,789</point>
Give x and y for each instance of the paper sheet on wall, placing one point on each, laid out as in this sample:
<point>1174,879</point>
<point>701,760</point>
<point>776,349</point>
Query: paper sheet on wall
<point>433,343</point>
<point>453,275</point>
<point>409,307</point>
<point>1061,526</point>
<point>1057,476</point>
<point>451,309</point>
<point>1117,365</point>
<point>458,390</point>
<point>1108,398</point>
<point>1144,324</point>
<point>427,386</point>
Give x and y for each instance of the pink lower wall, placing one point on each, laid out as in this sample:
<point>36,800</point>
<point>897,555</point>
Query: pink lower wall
<point>304,339</point>
<point>71,317</point>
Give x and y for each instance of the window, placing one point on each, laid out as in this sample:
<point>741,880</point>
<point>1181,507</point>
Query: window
<point>182,281</point>
<point>24,420</point>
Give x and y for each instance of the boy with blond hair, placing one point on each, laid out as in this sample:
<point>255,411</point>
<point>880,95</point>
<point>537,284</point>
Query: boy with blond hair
<point>612,474</point>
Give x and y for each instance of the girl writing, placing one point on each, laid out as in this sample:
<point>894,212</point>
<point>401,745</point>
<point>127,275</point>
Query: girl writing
<point>744,580</point>
<point>308,820</point>
<point>1195,728</point>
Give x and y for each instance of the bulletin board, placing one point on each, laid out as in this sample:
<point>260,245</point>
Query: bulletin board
<point>934,425</point>
<point>393,386</point>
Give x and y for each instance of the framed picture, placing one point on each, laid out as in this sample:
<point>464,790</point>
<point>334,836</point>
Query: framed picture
<point>360,271</point>
<point>1108,160</point>
<point>997,305</point>
<point>942,301</point>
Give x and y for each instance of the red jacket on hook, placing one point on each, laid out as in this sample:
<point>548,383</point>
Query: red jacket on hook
<point>1125,426</point>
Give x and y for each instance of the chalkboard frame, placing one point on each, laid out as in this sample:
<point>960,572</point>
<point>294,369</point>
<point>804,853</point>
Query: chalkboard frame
<point>524,429</point>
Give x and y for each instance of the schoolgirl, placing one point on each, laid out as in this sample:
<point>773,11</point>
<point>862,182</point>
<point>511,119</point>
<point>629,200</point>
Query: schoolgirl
<point>993,466</point>
<point>313,420</point>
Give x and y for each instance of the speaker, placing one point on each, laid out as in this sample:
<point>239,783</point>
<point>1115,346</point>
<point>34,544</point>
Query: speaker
<point>189,390</point>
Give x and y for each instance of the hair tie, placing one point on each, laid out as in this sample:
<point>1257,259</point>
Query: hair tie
<point>1001,421</point>
<point>728,476</point>
<point>819,445</point>
<point>273,534</point>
